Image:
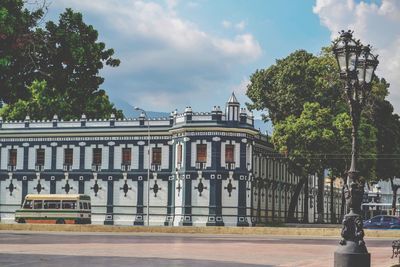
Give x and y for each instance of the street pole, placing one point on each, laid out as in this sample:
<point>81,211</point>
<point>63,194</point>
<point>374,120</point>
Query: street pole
<point>148,170</point>
<point>356,65</point>
<point>148,165</point>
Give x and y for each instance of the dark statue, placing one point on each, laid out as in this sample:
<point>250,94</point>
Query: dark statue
<point>352,223</point>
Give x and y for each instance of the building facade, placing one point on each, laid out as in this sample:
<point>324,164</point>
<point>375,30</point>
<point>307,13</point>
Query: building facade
<point>207,168</point>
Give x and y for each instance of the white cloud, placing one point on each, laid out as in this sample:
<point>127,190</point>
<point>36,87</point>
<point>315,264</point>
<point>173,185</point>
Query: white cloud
<point>165,59</point>
<point>171,4</point>
<point>226,24</point>
<point>238,26</point>
<point>241,25</point>
<point>192,4</point>
<point>376,24</point>
<point>241,88</point>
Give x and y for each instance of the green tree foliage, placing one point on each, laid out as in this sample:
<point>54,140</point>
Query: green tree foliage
<point>36,104</point>
<point>340,159</point>
<point>17,42</point>
<point>302,95</point>
<point>283,88</point>
<point>381,113</point>
<point>307,140</point>
<point>68,57</point>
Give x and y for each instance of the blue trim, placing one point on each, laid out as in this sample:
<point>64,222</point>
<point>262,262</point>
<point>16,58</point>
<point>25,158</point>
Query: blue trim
<point>52,186</point>
<point>242,204</point>
<point>139,206</point>
<point>170,207</point>
<point>81,157</point>
<point>212,203</point>
<point>215,155</point>
<point>110,203</point>
<point>24,189</point>
<point>111,158</point>
<point>26,158</point>
<point>187,202</point>
<point>215,209</point>
<point>81,187</point>
<point>141,158</point>
<point>53,158</point>
<point>242,155</point>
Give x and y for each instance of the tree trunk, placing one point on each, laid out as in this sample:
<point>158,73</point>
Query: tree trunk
<point>394,190</point>
<point>294,200</point>
<point>320,197</point>
<point>332,206</point>
<point>394,202</point>
<point>306,199</point>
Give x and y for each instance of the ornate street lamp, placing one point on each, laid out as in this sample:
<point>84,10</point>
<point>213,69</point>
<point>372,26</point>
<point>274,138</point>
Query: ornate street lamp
<point>356,66</point>
<point>148,164</point>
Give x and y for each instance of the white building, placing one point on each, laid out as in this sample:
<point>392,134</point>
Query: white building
<point>203,168</point>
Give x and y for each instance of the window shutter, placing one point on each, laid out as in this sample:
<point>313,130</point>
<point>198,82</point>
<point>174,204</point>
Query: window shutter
<point>135,158</point>
<point>208,159</point>
<point>165,157</point>
<point>31,158</point>
<point>76,158</point>
<point>20,158</point>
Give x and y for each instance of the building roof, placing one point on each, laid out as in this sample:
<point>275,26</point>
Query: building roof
<point>56,196</point>
<point>233,99</point>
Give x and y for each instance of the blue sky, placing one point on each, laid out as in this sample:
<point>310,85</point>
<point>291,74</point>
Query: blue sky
<point>178,53</point>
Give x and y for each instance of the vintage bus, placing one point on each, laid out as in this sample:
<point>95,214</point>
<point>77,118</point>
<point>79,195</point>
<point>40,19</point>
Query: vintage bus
<point>55,208</point>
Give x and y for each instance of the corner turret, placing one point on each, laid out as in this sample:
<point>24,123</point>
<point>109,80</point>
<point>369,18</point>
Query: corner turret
<point>232,109</point>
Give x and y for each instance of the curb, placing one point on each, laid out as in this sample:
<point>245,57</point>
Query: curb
<point>281,231</point>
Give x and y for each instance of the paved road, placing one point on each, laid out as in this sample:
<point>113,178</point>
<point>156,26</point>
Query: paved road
<point>110,249</point>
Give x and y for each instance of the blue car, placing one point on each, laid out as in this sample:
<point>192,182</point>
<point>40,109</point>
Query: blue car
<point>382,222</point>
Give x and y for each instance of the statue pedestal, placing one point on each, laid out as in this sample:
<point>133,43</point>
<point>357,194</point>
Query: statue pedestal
<point>351,255</point>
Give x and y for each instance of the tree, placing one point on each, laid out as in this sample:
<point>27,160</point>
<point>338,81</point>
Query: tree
<point>388,137</point>
<point>283,88</point>
<point>36,104</point>
<point>17,40</point>
<point>305,140</point>
<point>68,56</point>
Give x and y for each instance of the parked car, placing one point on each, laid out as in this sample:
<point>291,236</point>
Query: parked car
<point>382,222</point>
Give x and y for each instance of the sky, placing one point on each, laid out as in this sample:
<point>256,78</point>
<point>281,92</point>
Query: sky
<point>178,53</point>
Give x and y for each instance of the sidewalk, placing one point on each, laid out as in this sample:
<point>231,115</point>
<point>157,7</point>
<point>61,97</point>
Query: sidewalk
<point>290,230</point>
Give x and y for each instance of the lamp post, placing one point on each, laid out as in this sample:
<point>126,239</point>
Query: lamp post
<point>356,65</point>
<point>148,165</point>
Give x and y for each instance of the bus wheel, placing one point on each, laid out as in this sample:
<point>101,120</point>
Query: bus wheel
<point>21,220</point>
<point>60,221</point>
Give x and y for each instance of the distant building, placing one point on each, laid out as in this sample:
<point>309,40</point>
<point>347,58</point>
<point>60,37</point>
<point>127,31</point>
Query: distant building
<point>378,198</point>
<point>207,168</point>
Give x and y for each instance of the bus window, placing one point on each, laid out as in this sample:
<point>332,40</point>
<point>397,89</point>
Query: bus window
<point>85,205</point>
<point>38,204</point>
<point>28,204</point>
<point>68,204</point>
<point>52,204</point>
